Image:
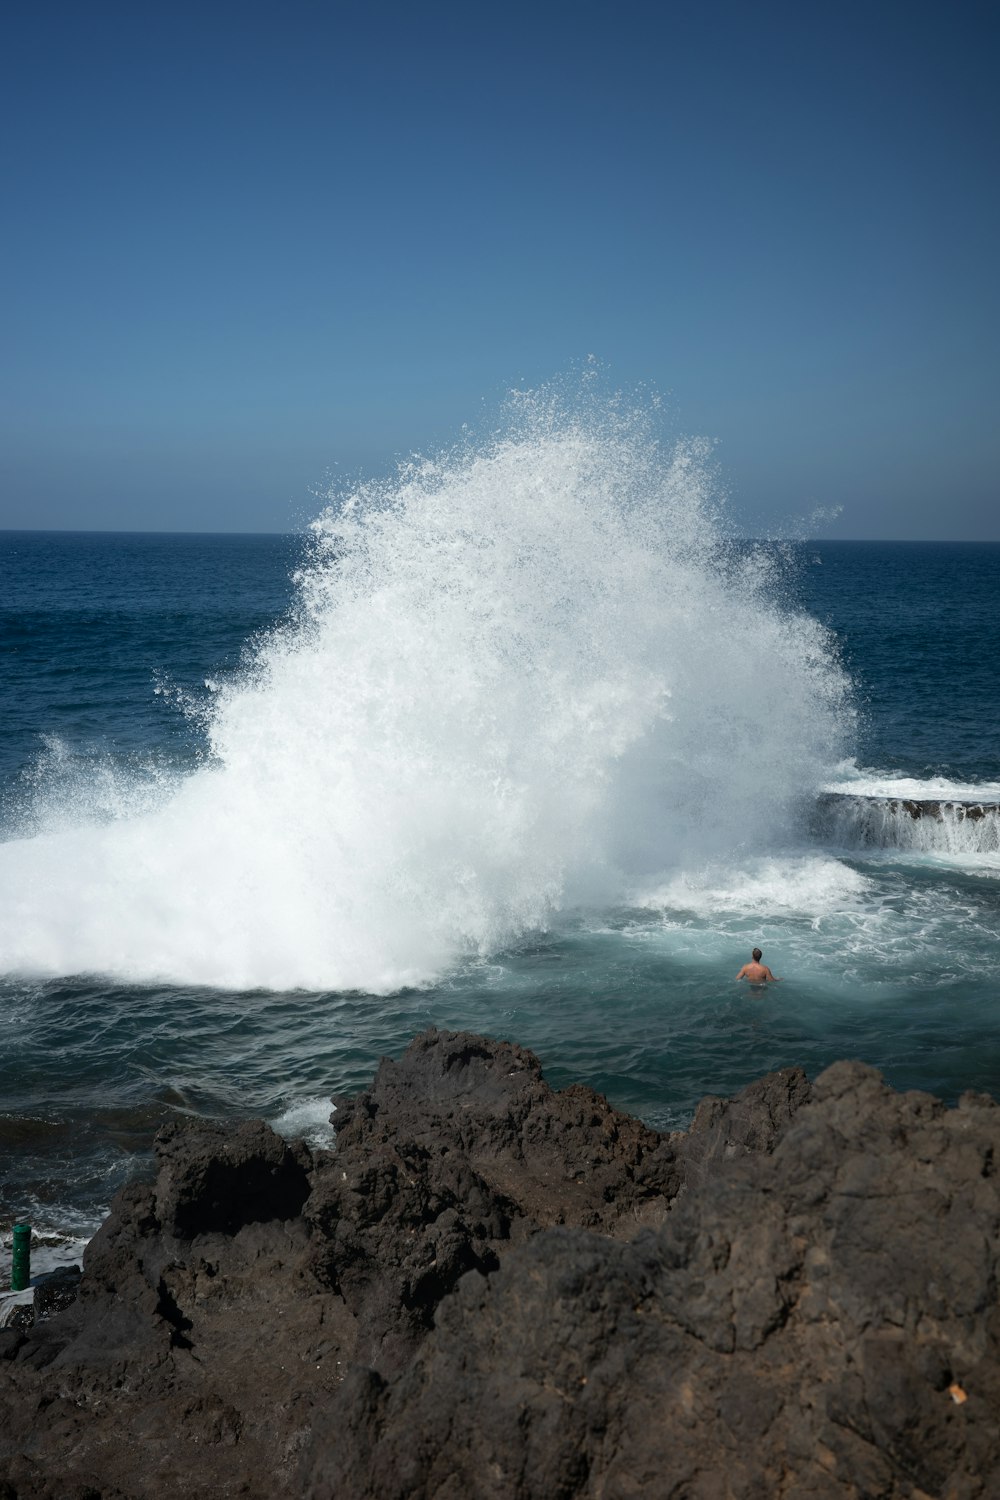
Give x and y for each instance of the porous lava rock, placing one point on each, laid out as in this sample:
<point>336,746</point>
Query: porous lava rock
<point>222,1303</point>
<point>454,1154</point>
<point>492,1289</point>
<point>818,1322</point>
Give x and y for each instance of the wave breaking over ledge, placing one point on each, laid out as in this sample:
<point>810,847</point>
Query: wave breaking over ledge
<point>934,825</point>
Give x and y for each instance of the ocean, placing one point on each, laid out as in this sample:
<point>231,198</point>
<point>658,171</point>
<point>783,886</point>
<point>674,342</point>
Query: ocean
<point>525,741</point>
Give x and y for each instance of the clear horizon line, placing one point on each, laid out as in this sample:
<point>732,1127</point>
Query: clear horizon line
<point>795,541</point>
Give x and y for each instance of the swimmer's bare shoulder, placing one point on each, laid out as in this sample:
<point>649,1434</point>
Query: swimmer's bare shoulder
<point>756,972</point>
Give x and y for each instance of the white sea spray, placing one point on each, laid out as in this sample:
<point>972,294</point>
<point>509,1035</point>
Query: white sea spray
<point>530,673</point>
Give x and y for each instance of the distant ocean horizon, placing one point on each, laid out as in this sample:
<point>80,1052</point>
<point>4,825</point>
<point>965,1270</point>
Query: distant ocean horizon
<point>526,745</point>
<point>295,533</point>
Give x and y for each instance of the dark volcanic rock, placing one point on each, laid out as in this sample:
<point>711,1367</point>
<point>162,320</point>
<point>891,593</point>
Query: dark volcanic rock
<point>461,1150</point>
<point>56,1291</point>
<point>748,1124</point>
<point>49,1293</point>
<point>223,1178</point>
<point>221,1305</point>
<point>493,1289</point>
<point>818,1322</point>
<point>456,1152</point>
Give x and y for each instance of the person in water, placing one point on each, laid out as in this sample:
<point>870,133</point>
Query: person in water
<point>756,972</point>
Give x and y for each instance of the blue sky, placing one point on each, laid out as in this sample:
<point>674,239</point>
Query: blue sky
<point>248,245</point>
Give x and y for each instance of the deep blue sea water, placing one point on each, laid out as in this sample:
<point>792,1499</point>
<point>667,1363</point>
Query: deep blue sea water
<point>202,819</point>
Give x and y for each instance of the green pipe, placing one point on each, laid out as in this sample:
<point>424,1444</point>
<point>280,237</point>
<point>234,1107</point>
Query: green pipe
<point>20,1266</point>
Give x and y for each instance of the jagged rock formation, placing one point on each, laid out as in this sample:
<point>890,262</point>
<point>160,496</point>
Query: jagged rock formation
<point>491,1289</point>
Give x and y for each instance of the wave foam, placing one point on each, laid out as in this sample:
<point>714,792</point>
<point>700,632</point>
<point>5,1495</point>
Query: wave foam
<point>307,1120</point>
<point>525,674</point>
<point>933,817</point>
<point>780,887</point>
<point>871,783</point>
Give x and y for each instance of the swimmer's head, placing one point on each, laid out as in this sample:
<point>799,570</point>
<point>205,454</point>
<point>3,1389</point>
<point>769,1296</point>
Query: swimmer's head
<point>756,955</point>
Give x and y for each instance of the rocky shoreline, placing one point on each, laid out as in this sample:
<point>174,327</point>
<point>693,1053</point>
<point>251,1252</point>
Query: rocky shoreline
<point>494,1289</point>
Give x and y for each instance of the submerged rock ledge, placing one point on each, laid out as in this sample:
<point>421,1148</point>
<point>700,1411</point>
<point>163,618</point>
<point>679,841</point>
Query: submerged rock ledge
<point>493,1289</point>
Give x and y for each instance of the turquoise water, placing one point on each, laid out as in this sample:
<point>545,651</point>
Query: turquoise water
<point>512,785</point>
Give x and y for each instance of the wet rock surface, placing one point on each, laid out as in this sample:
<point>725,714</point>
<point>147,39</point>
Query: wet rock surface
<point>47,1294</point>
<point>494,1289</point>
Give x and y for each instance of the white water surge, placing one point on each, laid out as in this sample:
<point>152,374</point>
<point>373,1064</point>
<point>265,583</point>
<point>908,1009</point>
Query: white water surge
<point>527,675</point>
<point>947,828</point>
